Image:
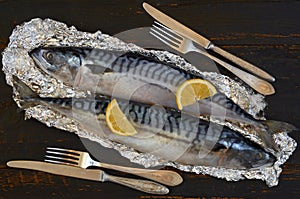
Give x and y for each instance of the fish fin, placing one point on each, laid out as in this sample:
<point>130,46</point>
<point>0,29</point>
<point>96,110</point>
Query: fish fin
<point>268,140</point>
<point>23,89</point>
<point>98,69</point>
<point>275,127</point>
<point>25,93</point>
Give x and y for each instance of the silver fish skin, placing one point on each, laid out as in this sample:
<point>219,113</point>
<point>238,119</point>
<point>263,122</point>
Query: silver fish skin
<point>85,67</point>
<point>164,132</point>
<point>144,79</point>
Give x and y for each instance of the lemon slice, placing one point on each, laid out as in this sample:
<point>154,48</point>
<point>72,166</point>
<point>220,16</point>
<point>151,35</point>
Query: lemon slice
<point>117,120</point>
<point>192,90</point>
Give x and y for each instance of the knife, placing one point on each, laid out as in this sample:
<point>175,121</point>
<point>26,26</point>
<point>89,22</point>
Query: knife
<point>90,174</point>
<point>204,42</point>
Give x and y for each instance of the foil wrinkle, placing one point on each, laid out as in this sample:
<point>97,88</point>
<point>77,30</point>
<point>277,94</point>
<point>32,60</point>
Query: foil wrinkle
<point>47,32</point>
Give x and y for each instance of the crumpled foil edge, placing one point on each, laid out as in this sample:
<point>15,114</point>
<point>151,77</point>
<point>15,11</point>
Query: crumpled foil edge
<point>38,32</point>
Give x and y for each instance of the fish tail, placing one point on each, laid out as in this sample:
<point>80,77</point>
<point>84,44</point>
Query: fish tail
<point>27,96</point>
<point>268,140</point>
<point>275,127</point>
<point>272,127</point>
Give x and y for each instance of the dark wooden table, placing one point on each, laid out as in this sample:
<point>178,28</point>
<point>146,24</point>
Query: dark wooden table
<point>265,32</point>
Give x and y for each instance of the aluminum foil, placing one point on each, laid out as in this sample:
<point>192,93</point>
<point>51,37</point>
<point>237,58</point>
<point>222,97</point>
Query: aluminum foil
<point>38,32</point>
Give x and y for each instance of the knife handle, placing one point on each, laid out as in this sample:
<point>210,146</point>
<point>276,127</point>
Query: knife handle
<point>244,64</point>
<point>256,83</point>
<point>141,185</point>
<point>166,177</point>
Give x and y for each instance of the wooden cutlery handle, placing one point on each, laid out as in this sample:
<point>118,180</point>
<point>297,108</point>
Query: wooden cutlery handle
<point>166,177</point>
<point>256,83</point>
<point>141,185</point>
<point>242,63</point>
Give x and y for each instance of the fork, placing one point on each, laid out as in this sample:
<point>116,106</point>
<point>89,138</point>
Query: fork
<point>84,160</point>
<point>185,45</point>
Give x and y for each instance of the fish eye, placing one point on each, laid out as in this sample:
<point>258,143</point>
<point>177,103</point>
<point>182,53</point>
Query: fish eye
<point>258,156</point>
<point>49,56</point>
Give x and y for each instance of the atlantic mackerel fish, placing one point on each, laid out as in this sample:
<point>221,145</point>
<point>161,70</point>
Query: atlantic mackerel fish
<point>144,87</point>
<point>164,132</point>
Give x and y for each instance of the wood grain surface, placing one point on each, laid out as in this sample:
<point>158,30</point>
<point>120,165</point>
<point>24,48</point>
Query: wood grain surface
<point>267,33</point>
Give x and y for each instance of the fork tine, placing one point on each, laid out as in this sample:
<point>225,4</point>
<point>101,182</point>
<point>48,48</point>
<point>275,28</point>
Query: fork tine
<point>61,158</point>
<point>164,34</point>
<point>60,162</point>
<point>160,39</point>
<point>163,38</point>
<point>174,34</point>
<point>65,150</point>
<point>63,154</point>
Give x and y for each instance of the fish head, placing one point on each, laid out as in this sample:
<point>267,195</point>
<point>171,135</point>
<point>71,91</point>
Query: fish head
<point>62,63</point>
<point>248,159</point>
<point>259,159</point>
<point>238,152</point>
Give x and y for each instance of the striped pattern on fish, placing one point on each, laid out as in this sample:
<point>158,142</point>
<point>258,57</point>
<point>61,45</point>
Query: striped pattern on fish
<point>98,61</point>
<point>135,64</point>
<point>168,119</point>
<point>165,132</point>
<point>139,66</point>
<point>146,80</point>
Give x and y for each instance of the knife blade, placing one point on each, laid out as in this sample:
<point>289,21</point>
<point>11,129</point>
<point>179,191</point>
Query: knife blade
<point>204,42</point>
<point>89,174</point>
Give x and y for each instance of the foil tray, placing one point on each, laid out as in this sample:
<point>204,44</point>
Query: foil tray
<point>38,32</point>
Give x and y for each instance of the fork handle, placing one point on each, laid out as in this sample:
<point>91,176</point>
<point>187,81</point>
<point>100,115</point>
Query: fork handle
<point>141,185</point>
<point>166,177</point>
<point>256,83</point>
<point>244,64</point>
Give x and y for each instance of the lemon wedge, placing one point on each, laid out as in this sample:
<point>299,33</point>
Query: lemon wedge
<point>193,90</point>
<point>117,120</point>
